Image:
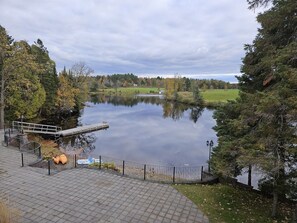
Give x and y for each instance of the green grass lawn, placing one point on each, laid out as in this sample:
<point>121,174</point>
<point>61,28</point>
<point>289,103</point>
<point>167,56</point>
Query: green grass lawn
<point>220,95</point>
<point>126,91</point>
<point>211,97</point>
<point>223,203</point>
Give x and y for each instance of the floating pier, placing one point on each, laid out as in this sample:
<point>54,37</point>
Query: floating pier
<point>57,131</point>
<point>82,129</point>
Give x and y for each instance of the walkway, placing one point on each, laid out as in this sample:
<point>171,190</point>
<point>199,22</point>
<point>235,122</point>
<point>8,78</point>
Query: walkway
<point>85,195</point>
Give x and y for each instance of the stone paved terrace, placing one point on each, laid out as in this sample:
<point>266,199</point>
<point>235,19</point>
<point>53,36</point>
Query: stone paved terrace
<point>85,195</point>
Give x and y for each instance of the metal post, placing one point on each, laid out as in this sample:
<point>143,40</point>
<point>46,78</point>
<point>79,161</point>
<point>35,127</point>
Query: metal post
<point>22,159</point>
<point>6,139</point>
<point>210,144</point>
<point>74,160</point>
<point>173,179</point>
<point>201,173</point>
<point>49,167</point>
<point>100,162</point>
<point>144,172</point>
<point>123,167</point>
<point>39,152</point>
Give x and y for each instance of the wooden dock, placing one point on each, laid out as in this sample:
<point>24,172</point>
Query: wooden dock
<point>83,129</point>
<point>54,130</point>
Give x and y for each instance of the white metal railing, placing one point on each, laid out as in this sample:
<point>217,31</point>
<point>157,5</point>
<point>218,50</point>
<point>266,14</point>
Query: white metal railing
<point>35,128</point>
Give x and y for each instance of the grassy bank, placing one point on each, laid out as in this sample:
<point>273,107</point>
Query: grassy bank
<point>219,95</point>
<point>223,203</point>
<point>129,91</point>
<point>211,97</point>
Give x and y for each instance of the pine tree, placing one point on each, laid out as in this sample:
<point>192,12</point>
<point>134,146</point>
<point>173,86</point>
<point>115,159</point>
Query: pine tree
<point>266,122</point>
<point>48,77</point>
<point>23,93</point>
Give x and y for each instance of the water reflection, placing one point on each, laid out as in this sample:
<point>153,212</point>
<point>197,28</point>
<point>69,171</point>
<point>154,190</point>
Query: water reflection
<point>146,130</point>
<point>83,143</point>
<point>172,110</point>
<point>126,101</point>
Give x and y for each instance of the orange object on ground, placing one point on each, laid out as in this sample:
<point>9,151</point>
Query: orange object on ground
<point>63,159</point>
<point>56,159</point>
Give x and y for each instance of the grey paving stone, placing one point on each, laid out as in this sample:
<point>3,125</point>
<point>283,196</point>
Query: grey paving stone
<point>86,195</point>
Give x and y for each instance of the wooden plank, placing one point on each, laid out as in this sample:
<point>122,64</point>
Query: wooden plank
<point>83,129</point>
<point>54,130</point>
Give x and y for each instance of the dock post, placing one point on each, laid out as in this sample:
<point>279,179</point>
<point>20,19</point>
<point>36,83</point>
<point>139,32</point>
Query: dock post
<point>22,159</point>
<point>144,172</point>
<point>74,160</point>
<point>173,179</point>
<point>123,167</point>
<point>49,167</point>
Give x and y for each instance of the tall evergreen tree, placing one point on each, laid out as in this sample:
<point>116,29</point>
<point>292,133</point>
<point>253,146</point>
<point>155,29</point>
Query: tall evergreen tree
<point>23,93</point>
<point>268,102</point>
<point>48,77</point>
<point>5,52</point>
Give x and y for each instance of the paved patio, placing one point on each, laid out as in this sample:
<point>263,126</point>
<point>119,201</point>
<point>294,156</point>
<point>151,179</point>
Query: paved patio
<point>85,195</point>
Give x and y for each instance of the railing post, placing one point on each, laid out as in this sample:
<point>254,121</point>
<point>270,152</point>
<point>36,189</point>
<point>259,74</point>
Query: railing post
<point>22,155</point>
<point>123,167</point>
<point>201,173</point>
<point>74,160</point>
<point>173,179</point>
<point>144,172</point>
<point>6,139</point>
<point>100,162</point>
<point>39,152</point>
<point>49,167</point>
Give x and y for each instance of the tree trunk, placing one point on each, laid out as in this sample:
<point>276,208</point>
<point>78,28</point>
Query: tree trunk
<point>274,205</point>
<point>2,103</point>
<point>294,220</point>
<point>250,176</point>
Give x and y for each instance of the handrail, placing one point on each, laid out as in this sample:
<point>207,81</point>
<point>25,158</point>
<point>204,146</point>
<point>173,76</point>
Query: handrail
<point>33,127</point>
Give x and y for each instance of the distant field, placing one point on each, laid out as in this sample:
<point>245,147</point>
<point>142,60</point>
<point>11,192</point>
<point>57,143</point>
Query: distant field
<point>220,95</point>
<point>212,98</point>
<point>131,90</point>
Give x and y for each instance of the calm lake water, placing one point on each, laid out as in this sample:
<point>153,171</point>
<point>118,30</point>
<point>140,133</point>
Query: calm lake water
<point>148,130</point>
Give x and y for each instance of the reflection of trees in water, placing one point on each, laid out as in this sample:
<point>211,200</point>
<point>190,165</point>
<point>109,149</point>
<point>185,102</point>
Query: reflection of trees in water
<point>176,111</point>
<point>195,114</point>
<point>84,141</point>
<point>126,101</point>
<point>172,110</point>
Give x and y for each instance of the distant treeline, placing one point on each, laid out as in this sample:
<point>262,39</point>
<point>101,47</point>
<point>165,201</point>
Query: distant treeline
<point>31,86</point>
<point>130,80</point>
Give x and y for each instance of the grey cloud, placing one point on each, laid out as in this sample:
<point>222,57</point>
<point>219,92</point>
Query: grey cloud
<point>158,36</point>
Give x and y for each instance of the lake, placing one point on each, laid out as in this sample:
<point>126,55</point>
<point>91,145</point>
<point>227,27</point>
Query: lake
<point>147,130</point>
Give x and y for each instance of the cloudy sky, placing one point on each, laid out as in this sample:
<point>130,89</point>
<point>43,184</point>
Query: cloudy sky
<point>186,37</point>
